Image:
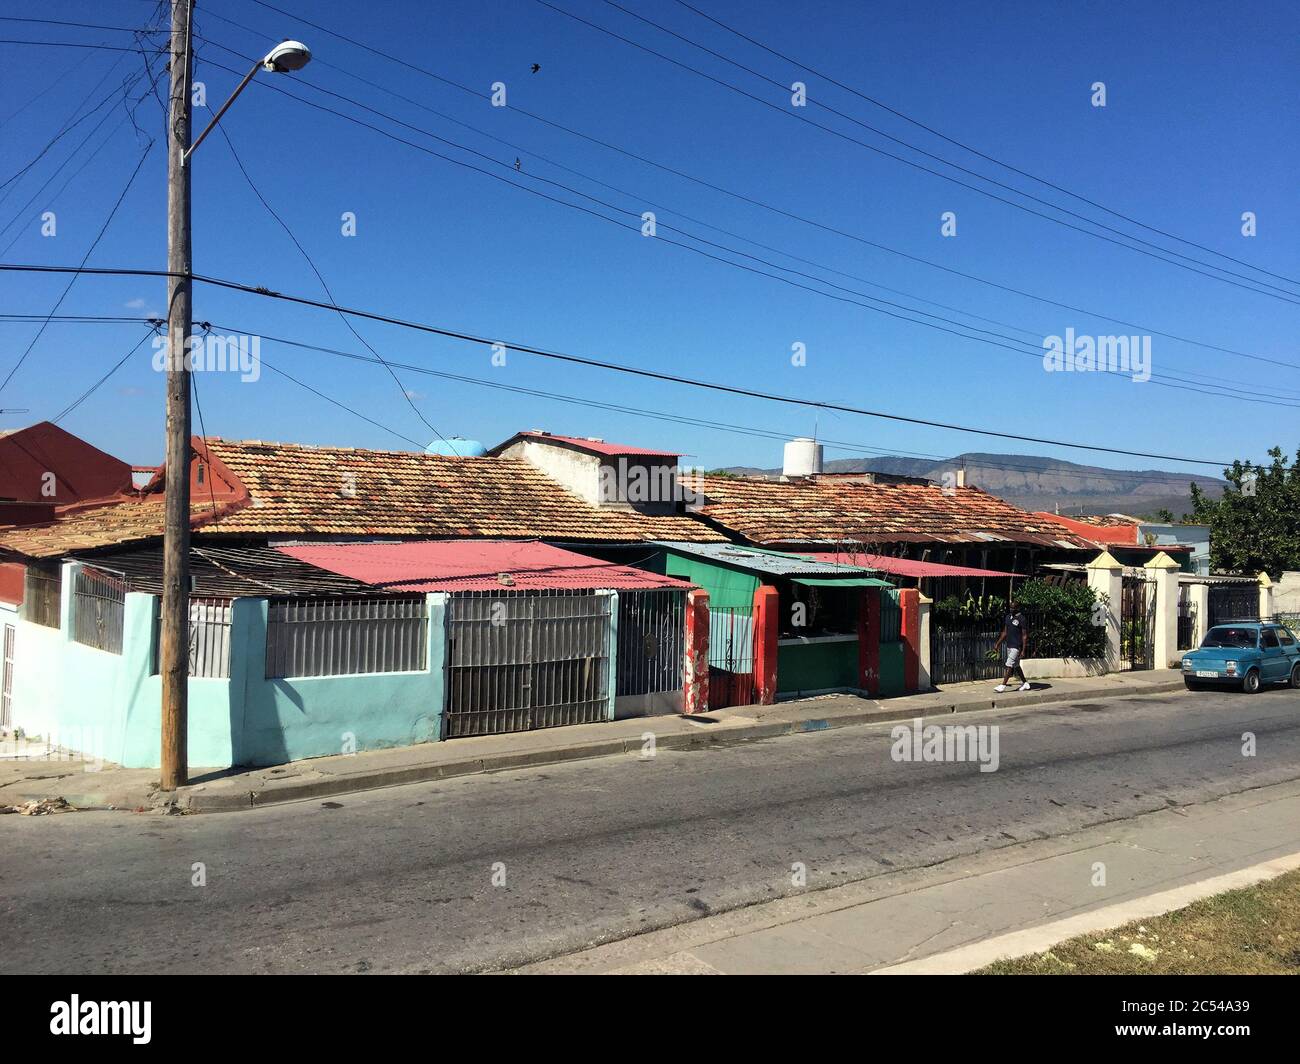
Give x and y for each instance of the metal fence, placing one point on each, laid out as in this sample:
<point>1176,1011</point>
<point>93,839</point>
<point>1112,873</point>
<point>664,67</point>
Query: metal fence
<point>517,661</point>
<point>1233,602</point>
<point>336,637</point>
<point>98,608</point>
<point>962,650</point>
<point>651,638</point>
<point>209,628</point>
<point>731,656</point>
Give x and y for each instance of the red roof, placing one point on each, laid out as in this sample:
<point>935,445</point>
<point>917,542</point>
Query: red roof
<point>901,566</point>
<point>473,565</point>
<point>1121,533</point>
<point>610,450</point>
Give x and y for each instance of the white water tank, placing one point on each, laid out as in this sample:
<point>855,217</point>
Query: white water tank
<point>803,457</point>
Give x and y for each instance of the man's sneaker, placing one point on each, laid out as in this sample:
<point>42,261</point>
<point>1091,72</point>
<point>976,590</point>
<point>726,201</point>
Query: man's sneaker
<point>1000,688</point>
<point>1024,686</point>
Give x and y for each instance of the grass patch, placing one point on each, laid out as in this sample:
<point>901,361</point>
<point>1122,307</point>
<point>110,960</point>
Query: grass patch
<point>1252,931</point>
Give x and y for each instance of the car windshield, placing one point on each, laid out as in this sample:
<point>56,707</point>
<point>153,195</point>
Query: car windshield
<point>1230,637</point>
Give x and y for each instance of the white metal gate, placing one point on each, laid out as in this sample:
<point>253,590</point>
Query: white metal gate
<point>7,696</point>
<point>523,660</point>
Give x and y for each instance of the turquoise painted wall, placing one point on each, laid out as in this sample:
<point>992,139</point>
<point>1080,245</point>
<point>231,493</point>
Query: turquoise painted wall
<point>110,706</point>
<point>816,666</point>
<point>726,587</point>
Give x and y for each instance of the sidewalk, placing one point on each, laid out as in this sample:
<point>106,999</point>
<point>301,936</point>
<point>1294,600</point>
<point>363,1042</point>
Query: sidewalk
<point>968,912</point>
<point>224,790</point>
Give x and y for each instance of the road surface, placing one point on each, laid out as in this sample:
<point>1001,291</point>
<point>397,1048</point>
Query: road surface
<point>402,880</point>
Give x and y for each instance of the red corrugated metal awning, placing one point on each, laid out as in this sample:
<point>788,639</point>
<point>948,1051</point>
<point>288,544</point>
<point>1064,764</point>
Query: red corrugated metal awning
<point>474,565</point>
<point>902,566</point>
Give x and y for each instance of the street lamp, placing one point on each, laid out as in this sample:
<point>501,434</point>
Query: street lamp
<point>284,58</point>
<point>175,613</point>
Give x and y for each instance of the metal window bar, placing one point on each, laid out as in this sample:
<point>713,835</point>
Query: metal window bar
<point>42,597</point>
<point>338,637</point>
<point>521,660</point>
<point>98,609</point>
<point>651,637</point>
<point>891,616</point>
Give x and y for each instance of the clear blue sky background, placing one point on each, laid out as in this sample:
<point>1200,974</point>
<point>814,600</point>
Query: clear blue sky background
<point>1200,126</point>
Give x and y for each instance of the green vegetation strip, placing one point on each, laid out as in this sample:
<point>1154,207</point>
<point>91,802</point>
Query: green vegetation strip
<point>1252,931</point>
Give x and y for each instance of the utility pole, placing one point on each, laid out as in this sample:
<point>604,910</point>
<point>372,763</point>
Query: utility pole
<point>174,629</point>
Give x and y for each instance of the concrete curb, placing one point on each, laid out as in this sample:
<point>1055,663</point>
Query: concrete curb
<point>196,799</point>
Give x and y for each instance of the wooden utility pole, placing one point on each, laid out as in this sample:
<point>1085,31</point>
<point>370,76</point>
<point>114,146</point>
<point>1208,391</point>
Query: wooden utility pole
<point>174,630</point>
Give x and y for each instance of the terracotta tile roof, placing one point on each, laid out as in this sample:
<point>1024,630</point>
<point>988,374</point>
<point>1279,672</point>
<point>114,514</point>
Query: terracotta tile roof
<point>812,511</point>
<point>348,491</point>
<point>123,521</point>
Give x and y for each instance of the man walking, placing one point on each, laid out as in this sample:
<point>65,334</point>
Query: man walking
<point>1015,633</point>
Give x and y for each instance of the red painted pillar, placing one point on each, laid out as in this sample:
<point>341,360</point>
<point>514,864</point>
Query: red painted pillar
<point>767,606</point>
<point>695,679</point>
<point>910,628</point>
<point>869,640</point>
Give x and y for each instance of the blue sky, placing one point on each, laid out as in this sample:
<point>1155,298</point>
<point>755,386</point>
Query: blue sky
<point>1198,128</point>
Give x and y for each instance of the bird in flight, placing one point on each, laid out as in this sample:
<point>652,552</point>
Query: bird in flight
<point>537,67</point>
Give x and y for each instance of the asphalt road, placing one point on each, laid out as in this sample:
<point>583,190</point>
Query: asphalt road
<point>402,879</point>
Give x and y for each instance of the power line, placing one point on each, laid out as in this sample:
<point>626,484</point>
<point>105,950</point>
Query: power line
<point>96,386</point>
<point>741,197</point>
<point>582,360</point>
<point>975,151</point>
<point>747,430</point>
<point>919,166</point>
<point>321,278</point>
<point>89,251</point>
<point>1160,379</point>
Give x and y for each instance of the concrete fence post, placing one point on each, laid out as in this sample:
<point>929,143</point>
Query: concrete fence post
<point>1106,577</point>
<point>1164,570</point>
<point>613,650</point>
<point>909,629</point>
<point>869,641</point>
<point>925,607</point>
<point>695,656</point>
<point>1265,597</point>
<point>767,608</point>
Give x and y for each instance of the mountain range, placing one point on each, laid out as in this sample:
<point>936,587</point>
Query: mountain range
<point>1037,483</point>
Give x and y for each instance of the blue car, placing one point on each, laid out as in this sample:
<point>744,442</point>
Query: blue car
<point>1244,654</point>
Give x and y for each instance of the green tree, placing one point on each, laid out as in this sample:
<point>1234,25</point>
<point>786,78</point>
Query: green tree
<point>1255,524</point>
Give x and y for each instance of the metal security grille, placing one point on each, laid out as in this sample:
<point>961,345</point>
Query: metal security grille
<point>43,596</point>
<point>891,616</point>
<point>6,699</point>
<point>1186,619</point>
<point>1234,602</point>
<point>731,656</point>
<point>1137,623</point>
<point>651,636</point>
<point>98,607</point>
<point>336,637</point>
<point>517,661</point>
<point>210,638</point>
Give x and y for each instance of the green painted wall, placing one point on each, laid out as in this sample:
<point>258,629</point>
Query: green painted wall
<point>816,666</point>
<point>891,669</point>
<point>726,587</point>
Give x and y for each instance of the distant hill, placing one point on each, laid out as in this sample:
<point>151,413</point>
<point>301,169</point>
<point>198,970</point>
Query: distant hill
<point>1038,483</point>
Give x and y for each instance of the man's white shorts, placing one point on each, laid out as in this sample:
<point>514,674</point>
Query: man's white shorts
<point>1013,656</point>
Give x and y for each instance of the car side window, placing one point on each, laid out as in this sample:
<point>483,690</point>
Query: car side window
<point>1270,638</point>
<point>1285,637</point>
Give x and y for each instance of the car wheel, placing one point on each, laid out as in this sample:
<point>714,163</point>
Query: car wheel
<point>1192,685</point>
<point>1295,675</point>
<point>1251,683</point>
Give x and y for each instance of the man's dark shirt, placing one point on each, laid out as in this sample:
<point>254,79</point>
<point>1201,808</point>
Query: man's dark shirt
<point>1014,623</point>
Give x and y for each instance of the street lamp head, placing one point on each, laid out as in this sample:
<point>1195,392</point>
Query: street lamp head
<point>287,56</point>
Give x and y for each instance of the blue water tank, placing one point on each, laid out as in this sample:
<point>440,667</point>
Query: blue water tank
<point>456,447</point>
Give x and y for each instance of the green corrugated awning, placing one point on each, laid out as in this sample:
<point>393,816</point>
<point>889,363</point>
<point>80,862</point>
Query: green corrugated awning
<point>843,581</point>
